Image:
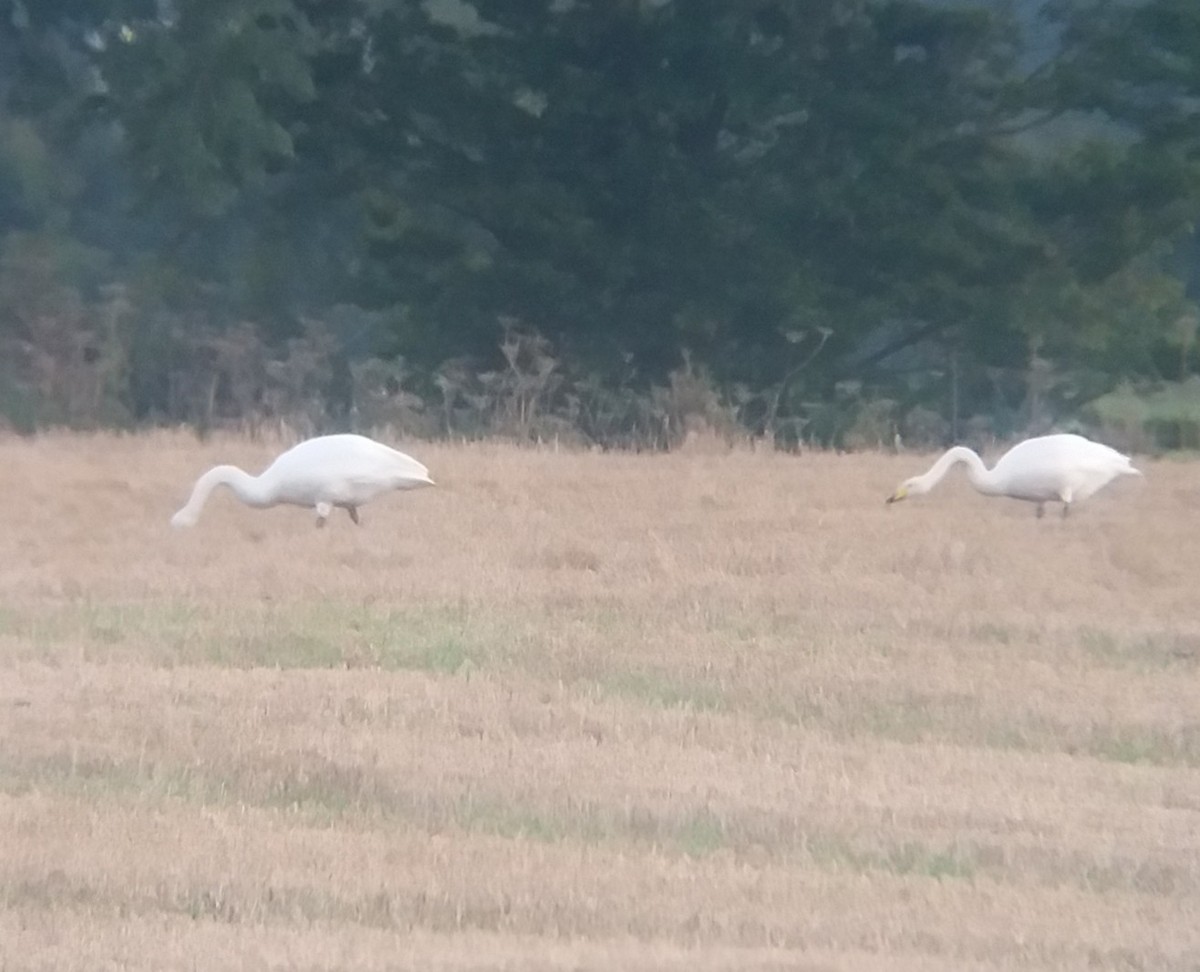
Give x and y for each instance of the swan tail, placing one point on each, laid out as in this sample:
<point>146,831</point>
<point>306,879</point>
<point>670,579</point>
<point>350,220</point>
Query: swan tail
<point>416,477</point>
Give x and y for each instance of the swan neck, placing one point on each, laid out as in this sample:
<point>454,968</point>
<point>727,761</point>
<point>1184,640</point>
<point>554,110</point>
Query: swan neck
<point>251,490</point>
<point>979,474</point>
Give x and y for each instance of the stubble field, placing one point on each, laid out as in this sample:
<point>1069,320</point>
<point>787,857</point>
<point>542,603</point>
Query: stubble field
<point>580,711</point>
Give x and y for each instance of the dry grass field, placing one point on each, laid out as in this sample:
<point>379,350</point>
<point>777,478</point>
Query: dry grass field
<point>710,710</point>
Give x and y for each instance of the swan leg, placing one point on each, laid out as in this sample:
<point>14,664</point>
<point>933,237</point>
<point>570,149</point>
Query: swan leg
<point>1041,510</point>
<point>353,511</point>
<point>323,511</point>
<point>1066,509</point>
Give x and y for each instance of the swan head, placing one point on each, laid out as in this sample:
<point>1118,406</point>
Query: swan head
<point>183,519</point>
<point>913,485</point>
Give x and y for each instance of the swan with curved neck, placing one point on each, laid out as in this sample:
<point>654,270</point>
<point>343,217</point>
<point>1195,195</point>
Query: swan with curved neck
<point>1060,468</point>
<point>329,471</point>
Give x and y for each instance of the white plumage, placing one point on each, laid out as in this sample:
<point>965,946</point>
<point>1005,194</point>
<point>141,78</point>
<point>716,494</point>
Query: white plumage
<point>328,471</point>
<point>1048,469</point>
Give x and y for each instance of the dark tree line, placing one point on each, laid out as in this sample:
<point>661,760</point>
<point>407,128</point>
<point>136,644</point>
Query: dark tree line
<point>817,218</point>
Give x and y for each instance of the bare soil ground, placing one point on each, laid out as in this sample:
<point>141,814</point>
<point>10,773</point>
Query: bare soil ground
<point>580,711</point>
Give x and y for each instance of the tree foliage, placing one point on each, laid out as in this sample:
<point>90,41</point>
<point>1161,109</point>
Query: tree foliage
<point>816,204</point>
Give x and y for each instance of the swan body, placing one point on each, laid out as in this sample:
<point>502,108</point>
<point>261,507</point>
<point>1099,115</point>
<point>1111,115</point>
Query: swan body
<point>1048,469</point>
<point>321,473</point>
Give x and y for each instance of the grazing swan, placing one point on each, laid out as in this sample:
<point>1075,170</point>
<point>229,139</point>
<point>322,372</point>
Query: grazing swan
<point>1049,469</point>
<point>328,471</point>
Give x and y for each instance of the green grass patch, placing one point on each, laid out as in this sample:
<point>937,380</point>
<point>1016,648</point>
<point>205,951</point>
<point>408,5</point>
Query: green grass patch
<point>325,793</point>
<point>992,633</point>
<point>909,858</point>
<point>656,688</point>
<point>491,815</point>
<point>701,834</point>
<point>435,638</point>
<point>1154,651</point>
<point>451,638</point>
<point>257,649</point>
<point>963,719</point>
<point>918,859</point>
<point>1146,744</point>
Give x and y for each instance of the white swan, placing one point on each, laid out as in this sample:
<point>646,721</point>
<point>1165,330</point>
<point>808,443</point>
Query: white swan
<point>1048,469</point>
<point>328,471</point>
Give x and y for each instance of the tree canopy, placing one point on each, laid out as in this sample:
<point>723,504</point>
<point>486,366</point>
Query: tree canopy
<point>827,215</point>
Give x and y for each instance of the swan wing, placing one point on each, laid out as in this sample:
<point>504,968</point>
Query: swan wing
<point>1052,467</point>
<point>343,469</point>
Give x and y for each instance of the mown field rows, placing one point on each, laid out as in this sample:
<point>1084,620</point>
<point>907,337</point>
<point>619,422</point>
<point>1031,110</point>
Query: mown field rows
<point>717,709</point>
